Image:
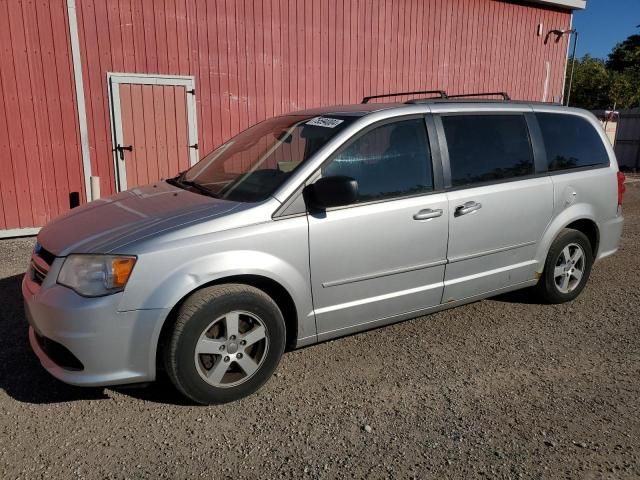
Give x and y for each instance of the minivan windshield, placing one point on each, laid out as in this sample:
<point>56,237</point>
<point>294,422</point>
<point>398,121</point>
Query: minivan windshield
<point>252,165</point>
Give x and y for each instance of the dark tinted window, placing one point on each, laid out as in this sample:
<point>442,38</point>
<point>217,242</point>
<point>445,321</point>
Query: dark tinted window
<point>571,142</point>
<point>483,148</point>
<point>388,161</point>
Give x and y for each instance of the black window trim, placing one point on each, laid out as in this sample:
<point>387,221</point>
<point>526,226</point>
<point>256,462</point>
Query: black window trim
<point>537,143</point>
<point>535,139</point>
<point>584,168</point>
<point>440,156</point>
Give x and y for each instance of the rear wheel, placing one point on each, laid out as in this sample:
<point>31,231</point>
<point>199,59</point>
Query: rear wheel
<point>567,267</point>
<point>225,344</point>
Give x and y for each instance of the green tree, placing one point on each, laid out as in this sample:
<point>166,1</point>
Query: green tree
<point>624,88</point>
<point>625,55</point>
<point>591,83</point>
<point>600,85</point>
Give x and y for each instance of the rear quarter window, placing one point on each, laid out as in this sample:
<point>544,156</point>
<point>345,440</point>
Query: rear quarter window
<point>571,142</point>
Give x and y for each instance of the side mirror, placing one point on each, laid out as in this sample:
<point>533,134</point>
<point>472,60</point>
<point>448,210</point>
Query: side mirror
<point>331,192</point>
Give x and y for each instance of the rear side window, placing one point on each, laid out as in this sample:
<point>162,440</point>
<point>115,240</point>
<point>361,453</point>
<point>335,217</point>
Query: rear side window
<point>571,142</point>
<point>392,160</point>
<point>485,148</point>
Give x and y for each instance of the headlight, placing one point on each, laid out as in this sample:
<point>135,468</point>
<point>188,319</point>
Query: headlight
<point>96,275</point>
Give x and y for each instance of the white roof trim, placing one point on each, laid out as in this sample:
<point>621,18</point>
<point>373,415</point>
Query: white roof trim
<point>569,4</point>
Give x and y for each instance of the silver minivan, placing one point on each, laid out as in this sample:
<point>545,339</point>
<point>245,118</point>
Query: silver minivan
<point>318,224</point>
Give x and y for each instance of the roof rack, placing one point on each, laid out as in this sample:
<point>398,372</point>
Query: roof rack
<point>440,93</point>
<point>504,95</point>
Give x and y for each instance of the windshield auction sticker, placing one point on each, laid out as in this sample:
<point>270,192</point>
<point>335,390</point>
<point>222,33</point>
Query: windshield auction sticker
<point>324,122</point>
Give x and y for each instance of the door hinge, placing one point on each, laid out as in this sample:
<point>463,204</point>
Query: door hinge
<point>192,91</point>
<point>194,146</point>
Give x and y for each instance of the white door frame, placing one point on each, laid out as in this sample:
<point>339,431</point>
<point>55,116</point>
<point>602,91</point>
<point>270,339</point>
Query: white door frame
<point>113,84</point>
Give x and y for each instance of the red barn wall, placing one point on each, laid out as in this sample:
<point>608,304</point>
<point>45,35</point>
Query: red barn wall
<point>40,160</point>
<point>251,59</point>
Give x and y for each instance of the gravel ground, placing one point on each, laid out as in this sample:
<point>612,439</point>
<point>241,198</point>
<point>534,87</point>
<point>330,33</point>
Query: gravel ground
<point>503,388</point>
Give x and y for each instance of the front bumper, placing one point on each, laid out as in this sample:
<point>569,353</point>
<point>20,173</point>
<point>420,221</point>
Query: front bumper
<point>113,347</point>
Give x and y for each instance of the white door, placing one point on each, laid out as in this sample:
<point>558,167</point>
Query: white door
<point>154,127</point>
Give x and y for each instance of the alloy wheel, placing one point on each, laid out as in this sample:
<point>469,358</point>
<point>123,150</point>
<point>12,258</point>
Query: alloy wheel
<point>569,268</point>
<point>231,349</point>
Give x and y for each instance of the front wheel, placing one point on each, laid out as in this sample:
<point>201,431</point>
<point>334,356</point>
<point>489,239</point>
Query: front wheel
<point>225,344</point>
<point>567,267</point>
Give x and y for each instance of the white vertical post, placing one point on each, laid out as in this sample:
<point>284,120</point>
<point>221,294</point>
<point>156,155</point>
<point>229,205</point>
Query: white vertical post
<point>546,81</point>
<point>566,63</point>
<point>79,86</point>
<point>95,188</point>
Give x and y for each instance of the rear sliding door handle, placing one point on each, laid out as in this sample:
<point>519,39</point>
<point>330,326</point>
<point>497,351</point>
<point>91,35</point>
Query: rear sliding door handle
<point>427,214</point>
<point>468,207</point>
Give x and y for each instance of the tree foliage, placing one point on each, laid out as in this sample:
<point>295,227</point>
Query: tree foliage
<point>599,84</point>
<point>625,55</point>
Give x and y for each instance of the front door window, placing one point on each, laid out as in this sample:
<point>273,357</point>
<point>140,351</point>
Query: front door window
<point>388,161</point>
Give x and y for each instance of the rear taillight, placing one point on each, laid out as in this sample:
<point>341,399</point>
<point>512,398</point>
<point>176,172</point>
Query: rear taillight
<point>621,187</point>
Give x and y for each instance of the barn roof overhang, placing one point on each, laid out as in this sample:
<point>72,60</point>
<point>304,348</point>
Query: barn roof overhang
<point>567,4</point>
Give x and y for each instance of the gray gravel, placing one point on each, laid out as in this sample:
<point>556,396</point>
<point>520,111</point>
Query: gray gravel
<point>503,388</point>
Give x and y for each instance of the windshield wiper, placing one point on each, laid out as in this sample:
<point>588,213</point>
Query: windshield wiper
<point>199,187</point>
<point>180,182</point>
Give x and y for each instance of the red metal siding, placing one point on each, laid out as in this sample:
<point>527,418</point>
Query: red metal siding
<point>154,121</point>
<point>251,59</point>
<point>256,58</point>
<point>40,161</point>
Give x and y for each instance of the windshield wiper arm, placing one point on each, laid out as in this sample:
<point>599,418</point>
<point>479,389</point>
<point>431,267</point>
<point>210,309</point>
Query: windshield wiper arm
<point>199,187</point>
<point>180,182</point>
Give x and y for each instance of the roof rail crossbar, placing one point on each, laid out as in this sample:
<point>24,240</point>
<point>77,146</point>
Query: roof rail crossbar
<point>440,93</point>
<point>504,95</point>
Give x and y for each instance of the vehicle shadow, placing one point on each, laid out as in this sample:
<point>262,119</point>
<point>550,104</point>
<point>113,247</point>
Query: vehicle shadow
<point>21,375</point>
<point>525,296</point>
<point>160,391</point>
<point>23,378</point>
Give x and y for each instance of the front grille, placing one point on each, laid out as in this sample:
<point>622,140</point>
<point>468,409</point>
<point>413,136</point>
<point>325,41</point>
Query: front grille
<point>41,260</point>
<point>46,255</point>
<point>59,354</point>
<point>37,275</point>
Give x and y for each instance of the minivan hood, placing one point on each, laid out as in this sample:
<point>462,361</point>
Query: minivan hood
<point>105,224</point>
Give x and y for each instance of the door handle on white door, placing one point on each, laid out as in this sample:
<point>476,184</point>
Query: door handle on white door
<point>468,207</point>
<point>121,148</point>
<point>427,214</point>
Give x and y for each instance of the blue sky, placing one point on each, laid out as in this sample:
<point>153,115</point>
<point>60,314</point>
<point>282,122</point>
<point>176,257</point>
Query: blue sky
<point>604,23</point>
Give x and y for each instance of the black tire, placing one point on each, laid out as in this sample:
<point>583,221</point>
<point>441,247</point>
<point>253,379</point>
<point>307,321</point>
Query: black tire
<point>195,316</point>
<point>548,290</point>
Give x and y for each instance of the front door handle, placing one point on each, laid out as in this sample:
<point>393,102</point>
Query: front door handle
<point>468,207</point>
<point>427,214</point>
